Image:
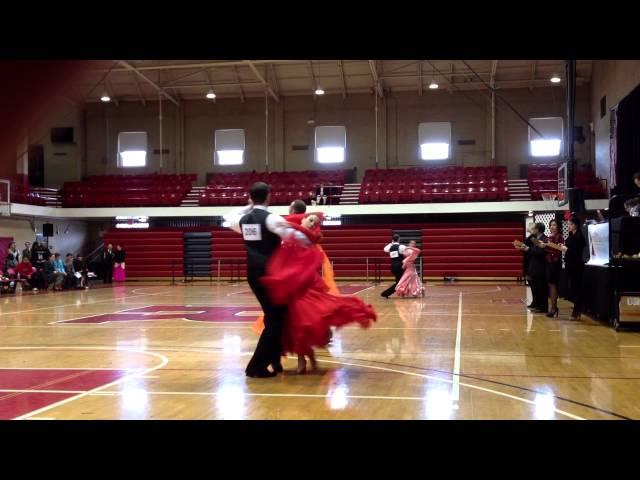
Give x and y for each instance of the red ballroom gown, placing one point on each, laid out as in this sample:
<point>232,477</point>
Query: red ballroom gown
<point>327,268</point>
<point>292,278</point>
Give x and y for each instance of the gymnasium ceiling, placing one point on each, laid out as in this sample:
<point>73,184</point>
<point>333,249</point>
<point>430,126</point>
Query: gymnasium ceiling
<point>175,80</point>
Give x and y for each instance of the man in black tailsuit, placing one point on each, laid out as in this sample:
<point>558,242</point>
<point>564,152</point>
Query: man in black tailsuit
<point>262,232</point>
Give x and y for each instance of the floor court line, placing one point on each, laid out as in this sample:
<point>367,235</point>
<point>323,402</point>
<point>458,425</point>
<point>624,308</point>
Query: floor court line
<point>112,300</point>
<point>163,361</point>
<point>432,377</point>
<point>455,391</point>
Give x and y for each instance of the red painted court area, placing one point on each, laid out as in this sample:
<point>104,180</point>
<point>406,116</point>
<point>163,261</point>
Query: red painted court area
<point>25,390</point>
<point>191,313</point>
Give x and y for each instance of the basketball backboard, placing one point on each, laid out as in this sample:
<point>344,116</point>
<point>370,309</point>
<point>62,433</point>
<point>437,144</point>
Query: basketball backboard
<point>562,185</point>
<point>5,198</point>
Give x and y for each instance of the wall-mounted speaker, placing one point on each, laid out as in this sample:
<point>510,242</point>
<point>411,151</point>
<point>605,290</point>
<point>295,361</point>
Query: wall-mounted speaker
<point>47,229</point>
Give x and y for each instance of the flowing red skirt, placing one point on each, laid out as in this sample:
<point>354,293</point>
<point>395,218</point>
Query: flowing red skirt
<point>292,278</point>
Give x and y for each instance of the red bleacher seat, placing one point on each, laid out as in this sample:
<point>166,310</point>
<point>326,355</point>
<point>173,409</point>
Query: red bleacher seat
<point>132,190</point>
<point>439,184</point>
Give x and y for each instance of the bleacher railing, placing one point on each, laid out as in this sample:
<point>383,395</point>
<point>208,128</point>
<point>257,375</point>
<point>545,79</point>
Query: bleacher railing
<point>373,269</point>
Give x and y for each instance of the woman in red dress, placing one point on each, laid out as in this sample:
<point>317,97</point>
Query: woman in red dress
<point>410,284</point>
<point>553,260</point>
<point>327,268</point>
<point>292,278</point>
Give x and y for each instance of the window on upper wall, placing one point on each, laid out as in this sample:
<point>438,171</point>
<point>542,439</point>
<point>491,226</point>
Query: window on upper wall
<point>550,143</point>
<point>435,140</point>
<point>331,143</point>
<point>229,147</point>
<point>132,149</point>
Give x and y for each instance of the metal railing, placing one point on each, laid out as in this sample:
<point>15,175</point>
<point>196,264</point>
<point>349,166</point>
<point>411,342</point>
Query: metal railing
<point>373,269</point>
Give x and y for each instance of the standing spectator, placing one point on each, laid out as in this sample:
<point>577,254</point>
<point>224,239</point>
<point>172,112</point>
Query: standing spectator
<point>108,259</point>
<point>26,272</point>
<point>529,243</point>
<point>553,258</point>
<point>537,270</point>
<point>26,253</point>
<point>574,264</point>
<point>13,258</point>
<point>80,266</point>
<point>59,273</point>
<point>119,274</point>
<point>39,255</point>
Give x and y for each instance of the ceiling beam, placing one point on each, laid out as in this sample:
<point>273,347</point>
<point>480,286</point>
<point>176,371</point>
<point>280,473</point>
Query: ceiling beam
<point>534,66</point>
<point>467,86</point>
<point>274,75</point>
<point>235,71</point>
<point>376,79</point>
<point>494,69</point>
<point>420,78</point>
<point>206,72</point>
<point>160,90</point>
<point>207,84</point>
<point>109,87</point>
<point>313,77</point>
<point>261,78</point>
<point>139,88</point>
<point>187,66</point>
<point>176,80</point>
<point>342,79</point>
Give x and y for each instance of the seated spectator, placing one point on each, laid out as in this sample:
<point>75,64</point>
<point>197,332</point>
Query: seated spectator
<point>55,273</point>
<point>80,267</point>
<point>25,272</point>
<point>7,285</point>
<point>632,206</point>
<point>70,281</point>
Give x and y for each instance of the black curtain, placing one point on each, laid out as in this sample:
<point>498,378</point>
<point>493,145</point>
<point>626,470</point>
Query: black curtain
<point>628,142</point>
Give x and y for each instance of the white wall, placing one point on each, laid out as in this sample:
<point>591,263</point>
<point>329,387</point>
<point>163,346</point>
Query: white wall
<point>399,116</point>
<point>75,240</point>
<point>62,163</point>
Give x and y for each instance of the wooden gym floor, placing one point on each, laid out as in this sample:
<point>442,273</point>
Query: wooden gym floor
<point>155,351</point>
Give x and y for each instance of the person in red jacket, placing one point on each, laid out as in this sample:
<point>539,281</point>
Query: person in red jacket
<point>25,272</point>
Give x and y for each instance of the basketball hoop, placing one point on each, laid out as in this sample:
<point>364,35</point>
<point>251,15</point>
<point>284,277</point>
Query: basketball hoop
<point>549,196</point>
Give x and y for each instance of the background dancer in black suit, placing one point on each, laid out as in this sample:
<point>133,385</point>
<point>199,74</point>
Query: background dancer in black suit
<point>395,251</point>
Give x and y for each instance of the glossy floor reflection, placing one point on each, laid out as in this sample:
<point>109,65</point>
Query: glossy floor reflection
<point>465,351</point>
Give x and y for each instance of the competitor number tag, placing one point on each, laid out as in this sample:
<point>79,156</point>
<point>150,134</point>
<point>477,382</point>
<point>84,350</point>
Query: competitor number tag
<point>252,232</point>
<point>393,254</point>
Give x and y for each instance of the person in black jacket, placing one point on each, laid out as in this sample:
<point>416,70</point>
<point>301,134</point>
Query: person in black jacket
<point>108,259</point>
<point>395,251</point>
<point>80,265</point>
<point>574,264</point>
<point>536,271</point>
<point>529,243</point>
<point>40,255</point>
<point>262,232</point>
